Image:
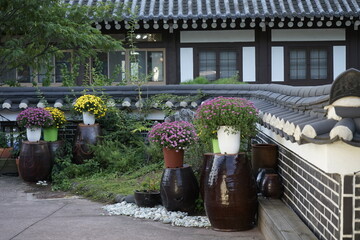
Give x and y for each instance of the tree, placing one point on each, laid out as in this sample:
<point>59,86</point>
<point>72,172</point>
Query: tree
<point>32,31</point>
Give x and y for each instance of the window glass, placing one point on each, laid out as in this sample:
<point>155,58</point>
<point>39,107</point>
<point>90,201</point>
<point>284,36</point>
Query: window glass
<point>318,63</point>
<point>138,65</point>
<point>297,64</point>
<point>24,74</point>
<point>46,71</point>
<point>155,63</point>
<point>8,76</point>
<point>100,63</point>
<point>117,65</point>
<point>207,65</point>
<point>227,64</point>
<point>62,65</point>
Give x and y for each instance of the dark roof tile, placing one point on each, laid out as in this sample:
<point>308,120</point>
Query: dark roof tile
<point>207,9</point>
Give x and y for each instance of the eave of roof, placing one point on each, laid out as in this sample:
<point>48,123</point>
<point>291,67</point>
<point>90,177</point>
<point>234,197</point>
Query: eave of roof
<point>231,9</point>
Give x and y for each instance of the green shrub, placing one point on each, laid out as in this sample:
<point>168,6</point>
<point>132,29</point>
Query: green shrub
<point>114,156</point>
<point>232,80</point>
<point>64,170</point>
<point>203,80</point>
<point>198,80</point>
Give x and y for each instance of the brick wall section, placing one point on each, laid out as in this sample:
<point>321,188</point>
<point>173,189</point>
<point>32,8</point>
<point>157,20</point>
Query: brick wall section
<point>357,207</point>
<point>314,195</point>
<point>69,131</point>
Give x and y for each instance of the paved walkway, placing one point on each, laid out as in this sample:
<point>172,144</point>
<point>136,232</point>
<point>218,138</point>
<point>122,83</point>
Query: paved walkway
<point>32,212</point>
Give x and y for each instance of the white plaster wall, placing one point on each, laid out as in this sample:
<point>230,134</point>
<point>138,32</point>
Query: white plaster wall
<point>7,115</point>
<point>339,60</point>
<point>249,64</point>
<point>217,36</point>
<point>337,157</point>
<point>329,34</point>
<point>186,64</point>
<point>277,64</point>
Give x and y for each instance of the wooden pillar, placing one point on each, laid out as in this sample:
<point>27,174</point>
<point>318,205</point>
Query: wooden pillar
<point>172,59</point>
<point>263,58</point>
<point>352,48</point>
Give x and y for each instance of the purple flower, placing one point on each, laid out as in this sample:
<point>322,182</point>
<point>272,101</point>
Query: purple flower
<point>173,135</point>
<point>35,117</point>
<point>231,111</point>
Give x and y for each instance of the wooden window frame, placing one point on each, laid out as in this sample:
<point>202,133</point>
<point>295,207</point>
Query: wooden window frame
<point>308,81</point>
<point>127,62</point>
<point>217,50</point>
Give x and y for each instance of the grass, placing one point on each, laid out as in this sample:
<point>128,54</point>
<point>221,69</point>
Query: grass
<point>103,187</point>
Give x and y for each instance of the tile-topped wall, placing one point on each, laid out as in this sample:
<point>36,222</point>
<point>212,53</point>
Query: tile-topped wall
<point>356,212</point>
<point>323,201</point>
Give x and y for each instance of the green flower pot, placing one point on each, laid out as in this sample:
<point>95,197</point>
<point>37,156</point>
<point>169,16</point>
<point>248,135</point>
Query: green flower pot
<point>51,134</point>
<point>215,145</point>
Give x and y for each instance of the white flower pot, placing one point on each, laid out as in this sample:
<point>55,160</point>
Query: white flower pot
<point>33,134</point>
<point>88,118</point>
<point>229,143</point>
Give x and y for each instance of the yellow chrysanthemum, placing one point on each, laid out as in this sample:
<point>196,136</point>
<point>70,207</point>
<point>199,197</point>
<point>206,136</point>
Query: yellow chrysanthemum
<point>92,104</point>
<point>58,116</point>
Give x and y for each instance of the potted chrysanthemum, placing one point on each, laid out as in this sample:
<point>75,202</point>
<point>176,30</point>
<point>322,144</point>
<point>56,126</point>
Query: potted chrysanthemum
<point>91,107</point>
<point>226,118</point>
<point>34,119</point>
<point>51,133</point>
<point>173,137</point>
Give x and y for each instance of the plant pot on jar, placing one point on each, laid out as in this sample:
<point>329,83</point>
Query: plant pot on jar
<point>88,118</point>
<point>147,198</point>
<point>229,140</point>
<point>173,158</point>
<point>91,107</point>
<point>51,134</point>
<point>215,145</point>
<point>33,119</point>
<point>226,116</point>
<point>33,134</point>
<point>173,137</point>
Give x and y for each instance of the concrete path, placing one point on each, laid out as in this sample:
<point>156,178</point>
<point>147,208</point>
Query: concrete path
<point>31,212</point>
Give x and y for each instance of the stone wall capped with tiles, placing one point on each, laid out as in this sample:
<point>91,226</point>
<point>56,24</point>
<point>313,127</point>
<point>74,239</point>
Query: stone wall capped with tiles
<point>314,195</point>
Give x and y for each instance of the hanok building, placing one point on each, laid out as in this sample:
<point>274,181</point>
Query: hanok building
<point>294,42</point>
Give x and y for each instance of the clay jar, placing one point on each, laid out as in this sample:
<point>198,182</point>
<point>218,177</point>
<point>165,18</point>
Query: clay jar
<point>35,161</point>
<point>230,197</point>
<point>147,198</point>
<point>85,136</point>
<point>179,189</point>
<point>271,186</point>
<point>261,174</point>
<point>264,156</point>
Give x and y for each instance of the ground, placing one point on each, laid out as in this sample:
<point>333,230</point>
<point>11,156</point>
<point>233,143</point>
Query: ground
<point>33,212</point>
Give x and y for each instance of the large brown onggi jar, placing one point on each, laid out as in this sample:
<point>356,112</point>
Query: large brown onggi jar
<point>230,193</point>
<point>35,161</point>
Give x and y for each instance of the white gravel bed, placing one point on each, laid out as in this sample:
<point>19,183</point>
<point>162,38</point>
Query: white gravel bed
<point>158,213</point>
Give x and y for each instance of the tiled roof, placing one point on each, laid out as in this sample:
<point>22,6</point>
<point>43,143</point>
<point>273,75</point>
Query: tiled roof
<point>235,9</point>
<point>295,113</point>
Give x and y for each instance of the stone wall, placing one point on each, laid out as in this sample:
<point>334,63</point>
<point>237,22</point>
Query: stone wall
<point>329,204</point>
